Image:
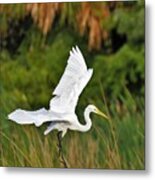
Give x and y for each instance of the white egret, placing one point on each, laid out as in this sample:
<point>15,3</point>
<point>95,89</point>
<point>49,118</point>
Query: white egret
<point>61,113</point>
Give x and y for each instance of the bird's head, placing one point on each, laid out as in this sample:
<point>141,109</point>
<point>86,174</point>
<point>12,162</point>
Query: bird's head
<point>94,109</point>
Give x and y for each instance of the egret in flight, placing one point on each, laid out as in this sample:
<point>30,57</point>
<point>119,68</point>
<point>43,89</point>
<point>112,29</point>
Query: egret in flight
<point>61,113</point>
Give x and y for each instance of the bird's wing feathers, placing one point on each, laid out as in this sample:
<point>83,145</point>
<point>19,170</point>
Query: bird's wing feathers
<point>37,117</point>
<point>71,84</point>
<point>75,68</point>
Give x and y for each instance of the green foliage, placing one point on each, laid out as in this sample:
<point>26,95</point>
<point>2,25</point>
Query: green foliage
<point>125,68</point>
<point>18,13</point>
<point>131,24</point>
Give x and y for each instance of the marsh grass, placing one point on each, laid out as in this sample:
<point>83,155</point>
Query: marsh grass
<point>114,144</point>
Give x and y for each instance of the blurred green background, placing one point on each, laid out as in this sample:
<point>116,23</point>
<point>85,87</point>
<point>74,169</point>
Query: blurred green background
<point>35,40</point>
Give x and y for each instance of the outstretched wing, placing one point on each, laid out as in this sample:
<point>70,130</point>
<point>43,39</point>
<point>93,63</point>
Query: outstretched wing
<point>37,117</point>
<point>71,84</point>
<point>30,117</point>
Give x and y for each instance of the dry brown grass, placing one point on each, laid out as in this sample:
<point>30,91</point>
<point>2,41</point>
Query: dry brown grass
<point>43,14</point>
<point>87,17</point>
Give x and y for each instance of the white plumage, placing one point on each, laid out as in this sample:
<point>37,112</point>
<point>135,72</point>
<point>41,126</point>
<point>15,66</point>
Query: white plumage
<point>61,113</point>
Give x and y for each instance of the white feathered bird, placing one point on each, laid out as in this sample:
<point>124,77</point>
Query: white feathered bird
<point>61,113</point>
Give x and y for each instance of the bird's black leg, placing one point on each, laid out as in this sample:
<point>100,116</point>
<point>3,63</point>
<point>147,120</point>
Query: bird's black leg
<point>59,135</point>
<point>61,156</point>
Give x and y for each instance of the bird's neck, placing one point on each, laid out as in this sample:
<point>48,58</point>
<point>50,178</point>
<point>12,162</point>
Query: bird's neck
<point>88,121</point>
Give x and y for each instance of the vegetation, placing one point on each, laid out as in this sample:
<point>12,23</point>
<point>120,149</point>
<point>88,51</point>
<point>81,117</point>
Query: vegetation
<point>34,49</point>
